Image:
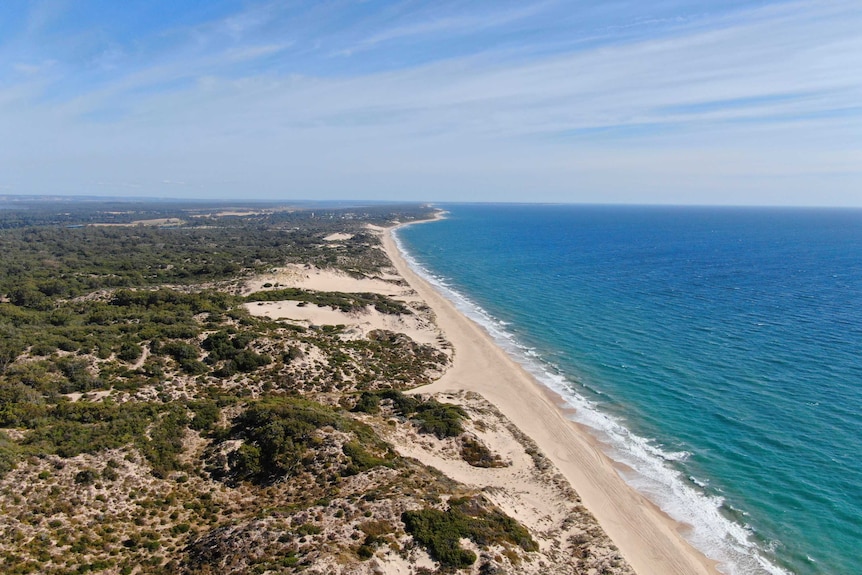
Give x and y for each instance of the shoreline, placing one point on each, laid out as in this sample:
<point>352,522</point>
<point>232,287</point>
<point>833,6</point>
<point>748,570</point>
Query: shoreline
<point>647,538</point>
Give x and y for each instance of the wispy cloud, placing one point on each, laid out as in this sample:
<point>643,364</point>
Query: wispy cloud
<point>448,100</point>
<point>433,23</point>
<point>32,69</point>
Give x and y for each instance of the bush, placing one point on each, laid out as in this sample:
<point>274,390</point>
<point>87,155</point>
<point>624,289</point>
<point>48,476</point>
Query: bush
<point>246,461</point>
<point>441,419</point>
<point>193,367</point>
<point>347,302</point>
<point>9,452</point>
<point>472,518</point>
<point>440,532</point>
<point>78,376</point>
<point>368,403</point>
<point>477,455</point>
<point>276,433</point>
<point>206,415</point>
<point>69,429</point>
<point>129,352</point>
<point>179,350</point>
<point>361,459</point>
<point>86,477</point>
<point>247,360</point>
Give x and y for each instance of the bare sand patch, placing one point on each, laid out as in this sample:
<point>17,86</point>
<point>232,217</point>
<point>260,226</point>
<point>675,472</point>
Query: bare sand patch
<point>419,329</point>
<point>337,237</point>
<point>313,278</point>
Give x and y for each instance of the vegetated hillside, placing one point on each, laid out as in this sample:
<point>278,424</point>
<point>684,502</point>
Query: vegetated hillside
<point>150,424</point>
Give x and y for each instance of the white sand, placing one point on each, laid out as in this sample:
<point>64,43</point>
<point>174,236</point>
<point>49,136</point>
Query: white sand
<point>647,538</point>
<point>417,328</point>
<point>310,277</point>
<point>337,237</point>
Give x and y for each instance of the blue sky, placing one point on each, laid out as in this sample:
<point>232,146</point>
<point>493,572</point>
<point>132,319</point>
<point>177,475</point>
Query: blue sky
<point>666,101</point>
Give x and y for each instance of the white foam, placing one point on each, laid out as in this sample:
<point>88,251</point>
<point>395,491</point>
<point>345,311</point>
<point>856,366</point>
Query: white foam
<point>682,497</point>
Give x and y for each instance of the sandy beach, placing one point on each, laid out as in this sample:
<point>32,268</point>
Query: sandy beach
<point>571,488</point>
<point>646,538</point>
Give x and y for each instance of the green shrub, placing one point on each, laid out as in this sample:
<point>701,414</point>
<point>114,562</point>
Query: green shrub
<point>477,455</point>
<point>179,350</point>
<point>347,302</point>
<point>193,367</point>
<point>129,352</point>
<point>308,529</point>
<point>43,349</point>
<point>206,414</point>
<point>440,532</point>
<point>86,477</point>
<point>361,459</point>
<point>276,432</point>
<point>247,360</point>
<point>403,404</point>
<point>368,403</point>
<point>246,461</point>
<point>9,453</point>
<point>441,419</point>
<point>69,429</point>
<point>473,518</point>
<point>78,376</point>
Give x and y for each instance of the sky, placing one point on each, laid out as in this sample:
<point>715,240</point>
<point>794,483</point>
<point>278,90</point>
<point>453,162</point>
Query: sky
<point>606,101</point>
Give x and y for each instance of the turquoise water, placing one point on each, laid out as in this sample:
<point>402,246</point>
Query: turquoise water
<point>716,351</point>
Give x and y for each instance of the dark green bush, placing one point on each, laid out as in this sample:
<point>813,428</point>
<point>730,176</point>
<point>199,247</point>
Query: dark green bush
<point>276,433</point>
<point>347,302</point>
<point>441,419</point>
<point>440,533</point>
<point>69,429</point>
<point>368,403</point>
<point>78,376</point>
<point>403,404</point>
<point>247,360</point>
<point>206,414</point>
<point>362,460</point>
<point>470,517</point>
<point>9,453</point>
<point>179,350</point>
<point>477,455</point>
<point>86,477</point>
<point>193,367</point>
<point>129,352</point>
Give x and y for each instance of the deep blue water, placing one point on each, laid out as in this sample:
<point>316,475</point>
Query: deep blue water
<point>716,351</point>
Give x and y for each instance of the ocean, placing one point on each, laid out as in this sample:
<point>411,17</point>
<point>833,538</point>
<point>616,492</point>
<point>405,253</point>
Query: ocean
<point>715,352</point>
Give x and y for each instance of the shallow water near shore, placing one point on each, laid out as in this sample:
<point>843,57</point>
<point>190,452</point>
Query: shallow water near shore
<point>716,352</point>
